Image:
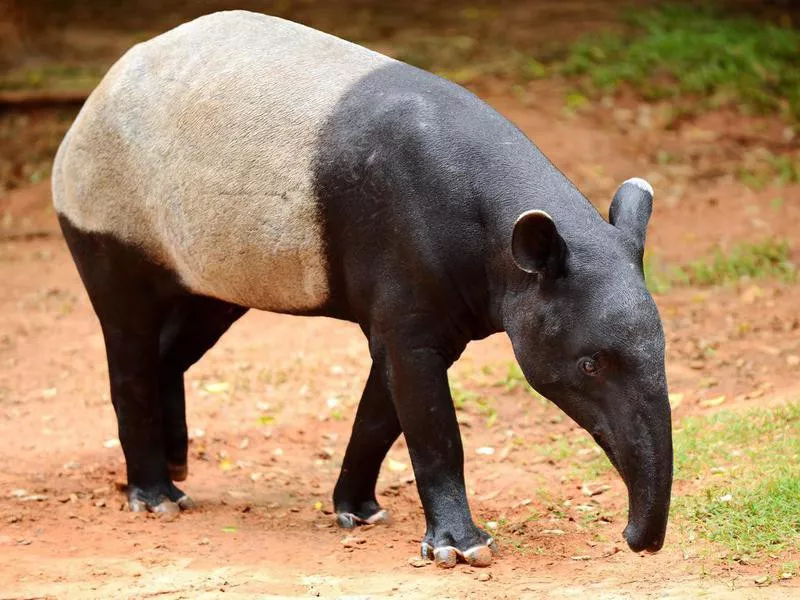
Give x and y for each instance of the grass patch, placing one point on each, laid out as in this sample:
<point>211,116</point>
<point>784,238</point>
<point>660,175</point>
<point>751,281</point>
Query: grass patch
<point>465,60</point>
<point>743,475</point>
<point>767,259</point>
<point>771,169</point>
<point>471,402</point>
<point>679,51</point>
<point>746,467</point>
<point>53,77</point>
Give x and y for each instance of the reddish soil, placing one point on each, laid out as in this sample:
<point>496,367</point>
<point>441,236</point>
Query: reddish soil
<point>270,407</point>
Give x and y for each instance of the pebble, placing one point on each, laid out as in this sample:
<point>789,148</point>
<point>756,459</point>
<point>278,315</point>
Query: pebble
<point>484,576</point>
<point>418,561</point>
<point>352,541</point>
<point>596,491</point>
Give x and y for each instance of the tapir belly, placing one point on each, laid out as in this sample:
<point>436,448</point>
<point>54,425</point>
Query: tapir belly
<point>198,149</point>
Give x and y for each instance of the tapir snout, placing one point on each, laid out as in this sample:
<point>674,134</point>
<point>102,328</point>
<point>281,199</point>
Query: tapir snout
<point>640,448</point>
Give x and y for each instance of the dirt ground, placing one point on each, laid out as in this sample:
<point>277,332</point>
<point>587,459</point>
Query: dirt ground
<point>271,406</point>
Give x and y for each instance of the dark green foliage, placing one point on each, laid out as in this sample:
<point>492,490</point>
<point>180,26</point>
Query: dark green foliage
<point>678,51</point>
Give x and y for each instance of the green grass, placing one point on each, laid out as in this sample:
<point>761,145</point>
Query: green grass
<point>465,60</point>
<point>771,169</point>
<point>680,51</point>
<point>468,401</point>
<point>746,471</point>
<point>740,476</point>
<point>53,77</point>
<point>770,258</point>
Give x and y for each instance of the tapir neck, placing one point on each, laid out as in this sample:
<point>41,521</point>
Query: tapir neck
<point>518,177</point>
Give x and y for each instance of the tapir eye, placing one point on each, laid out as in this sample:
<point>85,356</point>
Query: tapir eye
<point>588,365</point>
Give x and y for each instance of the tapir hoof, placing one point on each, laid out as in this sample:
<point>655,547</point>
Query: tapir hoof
<point>447,557</point>
<point>347,520</point>
<point>167,503</point>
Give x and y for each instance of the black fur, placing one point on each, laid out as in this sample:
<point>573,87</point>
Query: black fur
<point>154,330</point>
<point>420,184</point>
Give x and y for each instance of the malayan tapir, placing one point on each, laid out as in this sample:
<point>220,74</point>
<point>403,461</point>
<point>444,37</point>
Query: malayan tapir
<point>244,161</point>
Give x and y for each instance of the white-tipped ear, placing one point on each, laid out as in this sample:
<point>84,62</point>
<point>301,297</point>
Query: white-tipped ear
<point>640,183</point>
<point>536,245</point>
<point>631,209</point>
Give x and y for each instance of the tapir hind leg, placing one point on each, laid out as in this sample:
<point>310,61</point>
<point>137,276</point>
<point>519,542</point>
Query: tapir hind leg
<point>193,326</point>
<point>374,431</point>
<point>131,296</point>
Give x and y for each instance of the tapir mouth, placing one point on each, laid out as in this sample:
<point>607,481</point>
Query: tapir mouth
<point>639,540</point>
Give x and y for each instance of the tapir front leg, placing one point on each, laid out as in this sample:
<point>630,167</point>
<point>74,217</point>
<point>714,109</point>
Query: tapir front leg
<point>417,378</point>
<point>374,431</point>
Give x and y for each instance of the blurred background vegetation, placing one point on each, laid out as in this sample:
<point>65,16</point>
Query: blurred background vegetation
<point>742,52</point>
<point>684,58</point>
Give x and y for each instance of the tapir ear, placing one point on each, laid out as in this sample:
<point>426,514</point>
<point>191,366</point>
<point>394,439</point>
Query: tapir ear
<point>536,244</point>
<point>631,209</point>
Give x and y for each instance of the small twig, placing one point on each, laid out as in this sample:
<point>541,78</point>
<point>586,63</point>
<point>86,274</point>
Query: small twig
<point>41,98</point>
<point>25,236</point>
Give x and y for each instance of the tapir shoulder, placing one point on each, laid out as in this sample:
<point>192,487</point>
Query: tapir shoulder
<point>197,146</point>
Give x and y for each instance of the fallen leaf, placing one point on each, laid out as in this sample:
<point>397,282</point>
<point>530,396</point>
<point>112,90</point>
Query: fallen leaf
<point>396,466</point>
<point>711,402</point>
<point>217,387</point>
<point>417,562</point>
<point>675,400</point>
<point>34,498</point>
<point>351,541</point>
<point>751,294</point>
<point>596,491</point>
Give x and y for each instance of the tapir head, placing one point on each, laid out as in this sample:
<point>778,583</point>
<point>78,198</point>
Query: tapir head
<point>588,336</point>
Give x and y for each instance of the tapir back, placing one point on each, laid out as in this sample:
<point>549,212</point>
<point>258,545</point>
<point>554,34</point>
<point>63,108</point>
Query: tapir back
<point>197,148</point>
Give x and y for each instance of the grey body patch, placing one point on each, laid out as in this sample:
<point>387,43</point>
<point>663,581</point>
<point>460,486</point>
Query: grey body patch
<point>197,147</point>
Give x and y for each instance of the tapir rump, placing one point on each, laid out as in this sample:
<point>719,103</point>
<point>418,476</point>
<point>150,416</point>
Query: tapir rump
<point>243,161</point>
